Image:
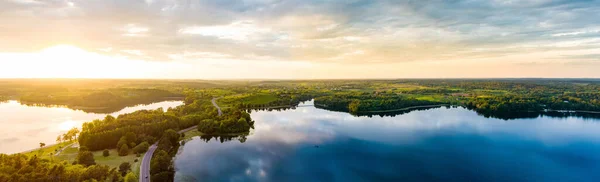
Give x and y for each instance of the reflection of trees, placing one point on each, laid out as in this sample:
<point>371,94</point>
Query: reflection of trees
<point>280,108</point>
<point>97,110</point>
<point>572,114</point>
<point>225,138</point>
<point>497,115</point>
<point>186,178</point>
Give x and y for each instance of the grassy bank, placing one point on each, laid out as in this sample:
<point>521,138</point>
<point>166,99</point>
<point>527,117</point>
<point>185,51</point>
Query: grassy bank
<point>113,160</point>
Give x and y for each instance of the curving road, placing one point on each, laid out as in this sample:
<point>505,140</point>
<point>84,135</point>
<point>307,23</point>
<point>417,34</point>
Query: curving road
<point>145,166</point>
<point>214,102</point>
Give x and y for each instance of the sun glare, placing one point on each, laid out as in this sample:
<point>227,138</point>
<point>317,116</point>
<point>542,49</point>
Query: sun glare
<point>67,125</point>
<point>67,61</point>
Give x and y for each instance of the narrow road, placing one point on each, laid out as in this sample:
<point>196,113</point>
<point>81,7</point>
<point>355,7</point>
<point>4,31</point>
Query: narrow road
<point>145,166</point>
<point>59,151</point>
<point>214,102</point>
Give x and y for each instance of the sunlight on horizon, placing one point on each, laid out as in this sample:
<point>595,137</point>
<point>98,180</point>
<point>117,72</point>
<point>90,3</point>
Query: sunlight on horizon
<point>69,124</point>
<point>70,61</point>
<point>67,61</point>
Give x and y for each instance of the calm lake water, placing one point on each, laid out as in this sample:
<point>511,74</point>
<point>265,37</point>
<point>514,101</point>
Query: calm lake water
<point>23,127</point>
<point>455,144</point>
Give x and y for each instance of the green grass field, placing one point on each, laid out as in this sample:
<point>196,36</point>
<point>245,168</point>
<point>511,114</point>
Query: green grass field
<point>49,151</point>
<point>114,160</point>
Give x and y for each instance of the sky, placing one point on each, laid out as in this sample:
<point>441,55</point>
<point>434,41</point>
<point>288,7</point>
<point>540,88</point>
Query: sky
<point>299,39</point>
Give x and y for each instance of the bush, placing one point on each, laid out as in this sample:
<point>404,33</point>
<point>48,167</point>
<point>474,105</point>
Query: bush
<point>105,153</point>
<point>136,160</point>
<point>124,150</point>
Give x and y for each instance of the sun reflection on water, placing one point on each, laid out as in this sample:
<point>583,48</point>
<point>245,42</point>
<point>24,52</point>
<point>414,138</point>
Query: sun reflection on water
<point>67,125</point>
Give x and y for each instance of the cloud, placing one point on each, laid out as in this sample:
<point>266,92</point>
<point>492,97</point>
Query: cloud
<point>341,31</point>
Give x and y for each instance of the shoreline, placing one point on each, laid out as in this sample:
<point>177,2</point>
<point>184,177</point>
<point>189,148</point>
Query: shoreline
<point>441,105</point>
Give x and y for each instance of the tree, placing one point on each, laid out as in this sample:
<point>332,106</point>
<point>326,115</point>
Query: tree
<point>141,148</point>
<point>172,135</point>
<point>163,176</point>
<point>124,168</point>
<point>58,139</point>
<point>124,150</point>
<point>97,172</point>
<point>160,162</point>
<point>130,137</point>
<point>164,144</point>
<point>42,145</point>
<point>85,158</point>
<point>130,177</point>
<point>122,141</point>
<point>132,145</point>
<point>354,106</point>
<point>109,119</point>
<point>105,153</point>
<point>242,120</point>
<point>71,134</point>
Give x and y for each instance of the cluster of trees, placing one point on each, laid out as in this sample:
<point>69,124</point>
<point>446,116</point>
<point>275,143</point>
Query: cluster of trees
<point>282,98</point>
<point>161,165</point>
<point>69,136</point>
<point>147,125</point>
<point>511,106</point>
<point>236,121</point>
<point>365,102</point>
<point>20,167</point>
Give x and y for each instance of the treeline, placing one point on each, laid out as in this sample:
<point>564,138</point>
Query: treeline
<point>535,103</point>
<point>104,101</point>
<point>365,102</point>
<point>161,165</point>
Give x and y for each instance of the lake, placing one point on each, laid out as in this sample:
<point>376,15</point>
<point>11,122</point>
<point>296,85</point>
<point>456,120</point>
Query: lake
<point>23,127</point>
<point>441,144</point>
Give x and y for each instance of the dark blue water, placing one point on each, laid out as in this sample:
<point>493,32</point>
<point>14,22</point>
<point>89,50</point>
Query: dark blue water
<point>309,144</point>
